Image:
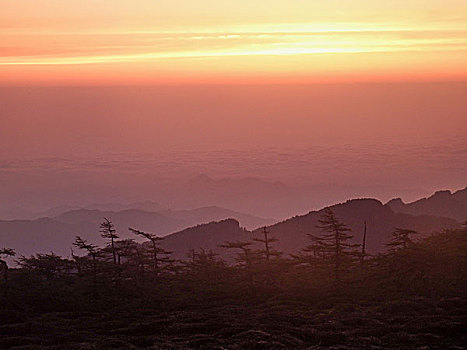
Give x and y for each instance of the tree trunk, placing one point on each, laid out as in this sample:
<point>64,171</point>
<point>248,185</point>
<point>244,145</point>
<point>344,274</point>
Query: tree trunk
<point>113,251</point>
<point>362,258</point>
<point>266,242</point>
<point>3,271</point>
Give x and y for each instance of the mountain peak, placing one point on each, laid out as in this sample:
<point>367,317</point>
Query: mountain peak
<point>396,204</point>
<point>225,224</point>
<point>205,236</point>
<point>201,179</point>
<point>365,201</point>
<point>364,204</point>
<point>395,201</point>
<point>442,203</point>
<point>442,193</point>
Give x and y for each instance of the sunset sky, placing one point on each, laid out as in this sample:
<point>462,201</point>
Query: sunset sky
<point>367,95</point>
<point>180,41</point>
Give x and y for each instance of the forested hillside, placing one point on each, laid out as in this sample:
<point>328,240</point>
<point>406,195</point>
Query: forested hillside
<point>332,293</point>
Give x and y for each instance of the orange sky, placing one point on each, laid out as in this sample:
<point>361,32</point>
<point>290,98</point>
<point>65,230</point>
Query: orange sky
<point>183,41</point>
<point>389,112</point>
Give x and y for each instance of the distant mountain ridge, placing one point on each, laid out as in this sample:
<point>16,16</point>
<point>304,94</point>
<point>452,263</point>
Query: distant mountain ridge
<point>212,226</point>
<point>441,203</point>
<point>292,233</point>
<point>214,213</point>
<point>44,235</point>
<point>161,222</point>
<point>244,194</point>
<point>379,218</point>
<point>57,233</point>
<point>206,236</point>
<point>61,209</point>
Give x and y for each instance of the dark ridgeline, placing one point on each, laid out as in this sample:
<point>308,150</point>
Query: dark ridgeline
<point>292,235</point>
<point>242,290</point>
<point>380,220</point>
<point>441,203</point>
<point>54,234</point>
<point>45,234</point>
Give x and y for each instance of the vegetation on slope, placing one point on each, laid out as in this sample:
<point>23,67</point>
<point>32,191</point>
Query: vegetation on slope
<point>131,296</point>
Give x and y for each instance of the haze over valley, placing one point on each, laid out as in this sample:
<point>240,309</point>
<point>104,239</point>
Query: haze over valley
<point>261,174</point>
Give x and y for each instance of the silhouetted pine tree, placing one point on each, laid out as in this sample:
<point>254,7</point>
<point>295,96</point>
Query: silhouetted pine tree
<point>363,253</point>
<point>268,251</point>
<point>333,249</point>
<point>401,239</point>
<point>245,257</point>
<point>92,250</point>
<point>5,252</point>
<point>125,249</point>
<point>108,231</point>
<point>245,254</point>
<point>50,265</point>
<point>205,270</point>
<point>311,255</point>
<point>159,255</point>
<point>202,259</point>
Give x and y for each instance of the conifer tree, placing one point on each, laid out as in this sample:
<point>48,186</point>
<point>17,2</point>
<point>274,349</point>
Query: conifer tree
<point>333,247</point>
<point>108,231</point>
<point>92,250</point>
<point>401,239</point>
<point>205,268</point>
<point>125,248</point>
<point>310,255</point>
<point>245,256</point>
<point>159,255</point>
<point>5,252</point>
<point>268,252</point>
<point>363,253</point>
<point>51,265</point>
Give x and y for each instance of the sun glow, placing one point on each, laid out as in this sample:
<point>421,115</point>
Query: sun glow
<point>349,45</point>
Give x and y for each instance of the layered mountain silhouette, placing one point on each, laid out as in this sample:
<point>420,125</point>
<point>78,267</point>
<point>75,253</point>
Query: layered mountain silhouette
<point>292,233</point>
<point>249,194</point>
<point>146,221</point>
<point>206,236</point>
<point>16,213</point>
<point>214,213</point>
<point>57,233</point>
<point>442,203</point>
<point>380,221</point>
<point>44,235</point>
<point>213,226</point>
<point>163,222</point>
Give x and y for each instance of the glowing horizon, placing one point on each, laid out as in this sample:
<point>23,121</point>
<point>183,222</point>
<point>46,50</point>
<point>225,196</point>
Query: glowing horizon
<point>92,42</point>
